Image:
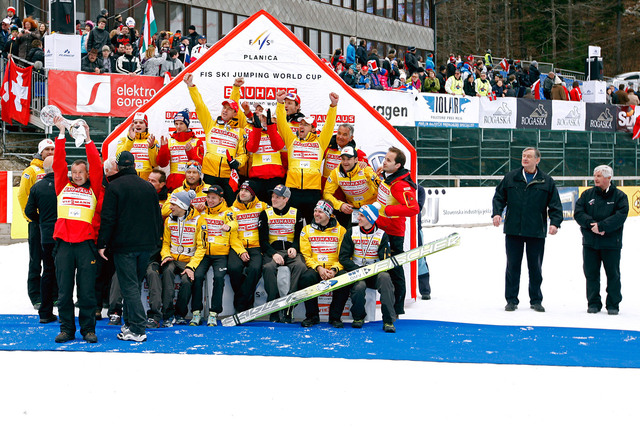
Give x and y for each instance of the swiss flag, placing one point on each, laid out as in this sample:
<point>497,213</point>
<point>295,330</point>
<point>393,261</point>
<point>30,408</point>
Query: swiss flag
<point>16,93</point>
<point>535,89</point>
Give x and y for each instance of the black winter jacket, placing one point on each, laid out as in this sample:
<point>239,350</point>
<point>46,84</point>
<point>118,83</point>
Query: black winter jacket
<point>42,207</point>
<point>131,219</point>
<point>527,204</point>
<point>609,210</point>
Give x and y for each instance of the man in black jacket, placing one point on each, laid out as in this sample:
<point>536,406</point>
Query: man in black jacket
<point>601,212</point>
<point>131,227</point>
<point>529,196</point>
<point>42,209</point>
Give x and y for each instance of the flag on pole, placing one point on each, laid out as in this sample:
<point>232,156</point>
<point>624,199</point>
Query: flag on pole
<point>16,93</point>
<point>149,28</point>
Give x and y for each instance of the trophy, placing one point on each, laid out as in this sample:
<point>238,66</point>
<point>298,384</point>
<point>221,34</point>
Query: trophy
<point>75,127</point>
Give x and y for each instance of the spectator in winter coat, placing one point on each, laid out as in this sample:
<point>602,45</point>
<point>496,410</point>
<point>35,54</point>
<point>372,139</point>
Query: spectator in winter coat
<point>534,74</point>
<point>558,91</point>
<point>455,84</point>
<point>482,85</point>
<point>171,64</point>
<point>361,53</point>
<point>547,85</point>
<point>11,45</point>
<point>90,63</point>
<point>99,36</point>
<point>151,63</point>
<point>431,83</point>
<point>128,63</point>
<point>351,52</point>
<point>620,96</point>
<point>36,53</point>
<point>88,26</point>
<point>373,56</point>
<point>28,34</point>
<point>469,86</point>
<point>107,61</point>
<point>349,76</point>
<point>415,81</point>
<point>193,37</point>
<point>364,81</point>
<point>411,62</point>
<point>15,19</point>
<point>429,64</point>
<point>633,98</point>
<point>576,93</point>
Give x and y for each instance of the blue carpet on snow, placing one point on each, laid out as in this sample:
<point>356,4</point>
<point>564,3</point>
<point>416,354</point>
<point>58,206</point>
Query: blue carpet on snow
<point>416,340</point>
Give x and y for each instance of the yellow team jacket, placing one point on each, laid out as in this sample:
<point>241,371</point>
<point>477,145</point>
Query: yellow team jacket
<point>248,218</point>
<point>139,147</point>
<point>220,137</point>
<point>210,238</point>
<point>179,239</point>
<point>360,186</point>
<point>201,197</point>
<point>305,157</point>
<point>32,174</point>
<point>322,248</point>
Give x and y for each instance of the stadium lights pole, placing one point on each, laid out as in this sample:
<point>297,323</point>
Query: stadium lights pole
<point>435,29</point>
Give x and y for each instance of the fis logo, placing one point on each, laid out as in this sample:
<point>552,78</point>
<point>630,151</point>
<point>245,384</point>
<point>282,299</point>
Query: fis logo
<point>93,93</point>
<point>261,41</point>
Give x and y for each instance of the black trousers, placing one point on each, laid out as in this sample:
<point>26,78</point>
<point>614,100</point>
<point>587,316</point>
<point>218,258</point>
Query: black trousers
<point>48,283</point>
<point>244,278</point>
<point>35,262</point>
<point>397,274</point>
<point>270,274</point>
<point>76,264</point>
<point>106,270</point>
<point>515,246</point>
<point>229,194</point>
<point>155,291</point>
<point>131,268</point>
<point>305,201</point>
<point>262,187</point>
<point>592,260</point>
<point>339,298</point>
<point>195,292</point>
<point>310,278</point>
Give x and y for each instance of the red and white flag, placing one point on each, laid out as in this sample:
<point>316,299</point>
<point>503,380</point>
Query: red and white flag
<point>633,111</point>
<point>504,64</point>
<point>535,89</point>
<point>149,28</point>
<point>492,96</point>
<point>16,93</point>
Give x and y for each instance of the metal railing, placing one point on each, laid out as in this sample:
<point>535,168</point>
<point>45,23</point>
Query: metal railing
<point>485,178</point>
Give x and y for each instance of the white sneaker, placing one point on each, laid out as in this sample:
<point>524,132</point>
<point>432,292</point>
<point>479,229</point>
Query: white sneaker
<point>213,319</point>
<point>196,320</point>
<point>132,336</point>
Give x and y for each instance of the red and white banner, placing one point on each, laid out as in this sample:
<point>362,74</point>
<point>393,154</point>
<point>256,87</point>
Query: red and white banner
<point>16,93</point>
<point>6,196</point>
<point>270,57</point>
<point>115,95</point>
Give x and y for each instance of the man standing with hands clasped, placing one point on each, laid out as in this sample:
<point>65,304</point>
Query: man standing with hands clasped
<point>530,196</point>
<point>601,212</point>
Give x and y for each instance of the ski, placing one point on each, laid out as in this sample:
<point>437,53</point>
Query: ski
<point>343,280</point>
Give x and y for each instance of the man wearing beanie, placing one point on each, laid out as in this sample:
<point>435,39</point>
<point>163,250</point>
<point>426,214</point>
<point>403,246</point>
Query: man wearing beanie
<point>178,253</point>
<point>130,228</point>
<point>32,174</point>
<point>246,212</point>
<point>216,234</point>
<point>182,146</point>
<point>192,181</point>
<point>362,245</point>
<point>142,145</point>
<point>280,224</point>
<point>225,141</point>
<point>305,155</point>
<point>320,247</point>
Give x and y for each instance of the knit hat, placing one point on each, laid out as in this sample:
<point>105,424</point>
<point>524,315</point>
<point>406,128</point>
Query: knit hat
<point>125,159</point>
<point>141,116</point>
<point>247,185</point>
<point>370,212</point>
<point>281,190</point>
<point>183,116</point>
<point>192,27</point>
<point>325,207</point>
<point>183,199</point>
<point>411,48</point>
<point>44,144</point>
<point>11,9</point>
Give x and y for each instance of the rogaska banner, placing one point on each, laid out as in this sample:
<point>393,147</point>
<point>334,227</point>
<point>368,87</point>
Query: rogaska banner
<point>498,114</point>
<point>270,57</point>
<point>600,117</point>
<point>534,114</point>
<point>568,115</point>
<point>115,95</point>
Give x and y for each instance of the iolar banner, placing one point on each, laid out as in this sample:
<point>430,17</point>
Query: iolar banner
<point>115,95</point>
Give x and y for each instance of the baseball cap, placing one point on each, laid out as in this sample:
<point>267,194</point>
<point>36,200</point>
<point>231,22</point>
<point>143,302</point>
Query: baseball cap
<point>6,21</point>
<point>231,104</point>
<point>202,36</point>
<point>281,190</point>
<point>215,189</point>
<point>125,159</point>
<point>348,151</point>
<point>293,97</point>
<point>310,121</point>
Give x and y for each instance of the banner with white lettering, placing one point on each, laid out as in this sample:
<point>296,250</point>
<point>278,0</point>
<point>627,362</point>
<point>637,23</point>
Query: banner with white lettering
<point>270,57</point>
<point>498,114</point>
<point>568,115</point>
<point>534,114</point>
<point>115,95</point>
<point>600,117</point>
<point>395,106</point>
<point>437,110</point>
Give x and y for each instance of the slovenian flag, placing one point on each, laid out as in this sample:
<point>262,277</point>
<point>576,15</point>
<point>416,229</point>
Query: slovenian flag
<point>149,28</point>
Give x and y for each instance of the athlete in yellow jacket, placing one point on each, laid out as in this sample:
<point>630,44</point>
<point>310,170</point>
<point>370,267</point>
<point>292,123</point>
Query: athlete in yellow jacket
<point>141,145</point>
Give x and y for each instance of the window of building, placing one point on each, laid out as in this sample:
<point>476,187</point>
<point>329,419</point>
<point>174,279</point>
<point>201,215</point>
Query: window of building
<point>347,3</point>
<point>389,9</point>
<point>410,11</point>
<point>228,22</point>
<point>212,32</point>
<point>360,5</point>
<point>299,32</point>
<point>197,19</point>
<point>370,6</point>
<point>325,44</point>
<point>401,10</point>
<point>419,12</point>
<point>176,17</point>
<point>336,42</point>
<point>426,13</point>
<point>380,8</point>
<point>313,40</point>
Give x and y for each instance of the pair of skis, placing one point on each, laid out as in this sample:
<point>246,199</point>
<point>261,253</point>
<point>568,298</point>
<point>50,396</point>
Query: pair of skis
<point>343,280</point>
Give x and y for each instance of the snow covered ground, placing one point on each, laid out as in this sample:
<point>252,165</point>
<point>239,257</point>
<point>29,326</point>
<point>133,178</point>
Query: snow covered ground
<point>73,388</point>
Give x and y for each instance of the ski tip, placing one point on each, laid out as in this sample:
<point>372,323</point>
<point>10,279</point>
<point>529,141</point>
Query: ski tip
<point>454,239</point>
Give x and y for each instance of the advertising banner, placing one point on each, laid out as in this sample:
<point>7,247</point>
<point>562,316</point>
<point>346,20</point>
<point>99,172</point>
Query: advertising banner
<point>395,106</point>
<point>625,118</point>
<point>115,95</point>
<point>534,114</point>
<point>600,117</point>
<point>498,114</point>
<point>436,110</point>
<point>62,52</point>
<point>568,115</point>
<point>568,197</point>
<point>457,206</point>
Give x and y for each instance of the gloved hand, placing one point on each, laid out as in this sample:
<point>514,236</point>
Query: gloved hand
<point>269,122</point>
<point>233,163</point>
<point>257,124</point>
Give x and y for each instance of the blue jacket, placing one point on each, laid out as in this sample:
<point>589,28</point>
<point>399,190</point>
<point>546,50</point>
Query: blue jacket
<point>351,54</point>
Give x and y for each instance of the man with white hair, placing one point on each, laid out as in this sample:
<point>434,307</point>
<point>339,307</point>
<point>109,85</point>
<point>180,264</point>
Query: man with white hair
<point>32,174</point>
<point>601,212</point>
